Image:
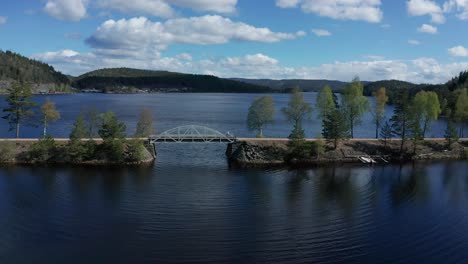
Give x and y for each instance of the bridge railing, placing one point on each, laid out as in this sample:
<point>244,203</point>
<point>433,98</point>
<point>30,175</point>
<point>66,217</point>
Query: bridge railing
<point>192,133</point>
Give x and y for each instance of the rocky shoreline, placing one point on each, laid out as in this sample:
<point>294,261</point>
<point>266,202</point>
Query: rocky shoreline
<point>265,153</point>
<point>17,152</point>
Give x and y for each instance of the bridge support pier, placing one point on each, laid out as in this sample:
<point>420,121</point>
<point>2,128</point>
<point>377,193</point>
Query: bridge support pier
<point>151,146</point>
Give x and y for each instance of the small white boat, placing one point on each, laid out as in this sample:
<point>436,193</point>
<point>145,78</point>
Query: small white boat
<point>367,160</point>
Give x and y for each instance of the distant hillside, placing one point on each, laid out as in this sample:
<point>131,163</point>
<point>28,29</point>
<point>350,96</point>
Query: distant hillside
<point>126,80</point>
<point>393,86</point>
<point>459,82</point>
<point>305,85</point>
<point>14,67</point>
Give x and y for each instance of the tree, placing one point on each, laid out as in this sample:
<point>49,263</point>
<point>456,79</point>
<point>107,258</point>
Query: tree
<point>355,104</point>
<point>401,117</point>
<point>49,114</point>
<point>145,125</point>
<point>94,121</point>
<point>378,111</point>
<point>80,129</point>
<point>261,113</point>
<point>334,127</point>
<point>461,109</point>
<point>451,134</point>
<point>414,129</point>
<point>44,150</point>
<point>111,127</point>
<point>19,106</point>
<point>386,133</point>
<point>325,101</point>
<point>296,111</point>
<point>426,106</point>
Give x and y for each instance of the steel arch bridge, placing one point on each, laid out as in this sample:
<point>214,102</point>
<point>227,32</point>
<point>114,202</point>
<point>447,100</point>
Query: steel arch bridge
<point>192,133</point>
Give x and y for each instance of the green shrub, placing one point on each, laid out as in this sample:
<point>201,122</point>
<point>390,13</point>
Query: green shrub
<point>317,147</point>
<point>44,150</point>
<point>113,150</point>
<point>299,149</point>
<point>77,151</point>
<point>7,151</point>
<point>135,151</point>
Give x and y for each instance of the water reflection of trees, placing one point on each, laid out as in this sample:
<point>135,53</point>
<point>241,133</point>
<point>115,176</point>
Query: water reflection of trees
<point>295,185</point>
<point>110,180</point>
<point>410,182</point>
<point>455,182</point>
<point>334,186</point>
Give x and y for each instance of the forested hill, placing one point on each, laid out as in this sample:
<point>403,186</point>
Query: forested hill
<point>127,80</point>
<point>14,67</point>
<point>304,85</point>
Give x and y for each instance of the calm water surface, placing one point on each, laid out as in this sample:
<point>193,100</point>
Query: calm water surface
<point>224,112</point>
<point>192,207</point>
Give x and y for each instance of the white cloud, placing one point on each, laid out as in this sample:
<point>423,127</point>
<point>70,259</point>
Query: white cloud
<point>159,8</point>
<point>414,42</point>
<point>362,10</point>
<point>459,6</point>
<point>3,20</point>
<point>426,7</point>
<point>425,28</point>
<point>67,10</point>
<point>321,32</point>
<point>140,35</point>
<point>421,70</point>
<point>287,3</point>
<point>75,10</point>
<point>458,51</point>
<point>219,6</point>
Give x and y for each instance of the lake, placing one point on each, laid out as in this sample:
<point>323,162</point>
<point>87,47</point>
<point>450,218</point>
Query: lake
<point>223,112</point>
<point>193,207</point>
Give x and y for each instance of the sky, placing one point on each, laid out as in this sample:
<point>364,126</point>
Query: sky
<point>421,41</point>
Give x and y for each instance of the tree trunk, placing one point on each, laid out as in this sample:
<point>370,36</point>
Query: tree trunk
<point>17,129</point>
<point>377,125</point>
<point>45,127</point>
<point>403,137</point>
<point>424,128</point>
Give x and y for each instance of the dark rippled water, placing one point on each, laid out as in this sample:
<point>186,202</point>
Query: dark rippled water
<point>191,207</point>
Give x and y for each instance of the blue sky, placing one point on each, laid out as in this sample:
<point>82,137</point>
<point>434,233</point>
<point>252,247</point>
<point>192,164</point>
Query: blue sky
<point>422,41</point>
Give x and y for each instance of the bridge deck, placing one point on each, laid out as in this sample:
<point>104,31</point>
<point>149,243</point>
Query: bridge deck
<point>191,138</point>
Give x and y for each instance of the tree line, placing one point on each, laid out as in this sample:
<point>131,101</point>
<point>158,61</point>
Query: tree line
<point>17,67</point>
<point>411,120</point>
<point>22,111</point>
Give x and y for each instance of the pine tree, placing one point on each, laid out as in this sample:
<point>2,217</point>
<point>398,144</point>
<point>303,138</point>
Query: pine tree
<point>451,134</point>
<point>386,133</point>
<point>334,127</point>
<point>19,106</point>
<point>79,130</point>
<point>111,127</point>
<point>401,118</point>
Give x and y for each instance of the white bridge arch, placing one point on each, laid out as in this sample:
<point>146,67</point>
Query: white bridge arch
<point>192,133</point>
